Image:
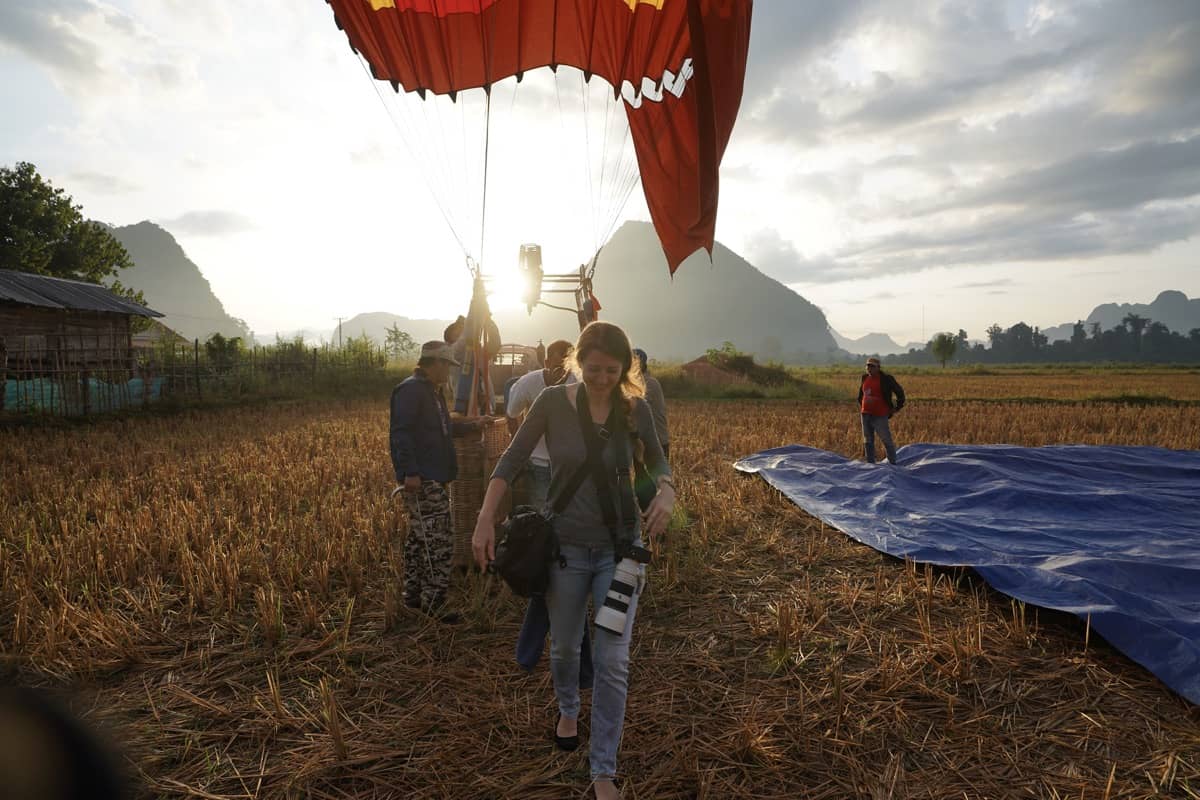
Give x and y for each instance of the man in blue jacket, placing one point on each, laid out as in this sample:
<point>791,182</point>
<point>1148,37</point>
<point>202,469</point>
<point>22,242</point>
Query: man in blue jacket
<point>423,456</point>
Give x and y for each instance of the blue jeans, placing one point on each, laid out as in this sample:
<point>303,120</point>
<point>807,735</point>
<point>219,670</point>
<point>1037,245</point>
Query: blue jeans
<point>589,572</point>
<point>531,641</point>
<point>872,425</point>
<point>539,484</point>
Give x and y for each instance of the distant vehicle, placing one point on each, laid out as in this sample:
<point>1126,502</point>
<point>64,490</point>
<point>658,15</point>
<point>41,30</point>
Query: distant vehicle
<point>513,361</point>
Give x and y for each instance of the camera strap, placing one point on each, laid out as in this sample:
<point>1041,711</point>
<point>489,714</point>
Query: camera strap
<point>594,456</point>
<point>595,443</point>
<point>564,497</point>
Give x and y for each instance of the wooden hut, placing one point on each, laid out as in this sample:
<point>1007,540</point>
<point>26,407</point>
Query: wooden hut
<point>155,338</point>
<point>60,335</point>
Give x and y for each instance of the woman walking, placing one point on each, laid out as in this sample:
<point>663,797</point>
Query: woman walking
<point>608,398</point>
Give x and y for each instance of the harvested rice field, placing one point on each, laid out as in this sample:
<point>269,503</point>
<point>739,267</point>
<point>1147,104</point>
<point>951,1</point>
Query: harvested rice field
<point>1060,384</point>
<point>219,593</point>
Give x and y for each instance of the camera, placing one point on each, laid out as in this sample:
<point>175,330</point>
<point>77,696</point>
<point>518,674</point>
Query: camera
<point>612,614</point>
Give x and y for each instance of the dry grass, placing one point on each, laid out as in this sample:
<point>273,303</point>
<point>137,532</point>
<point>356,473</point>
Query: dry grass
<point>1002,383</point>
<point>220,590</point>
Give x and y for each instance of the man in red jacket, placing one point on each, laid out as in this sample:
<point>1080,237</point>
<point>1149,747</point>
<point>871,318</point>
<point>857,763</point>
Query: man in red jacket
<point>879,397</point>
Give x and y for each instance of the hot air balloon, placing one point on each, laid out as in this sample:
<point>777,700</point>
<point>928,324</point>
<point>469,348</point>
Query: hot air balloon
<point>673,69</point>
<point>677,65</point>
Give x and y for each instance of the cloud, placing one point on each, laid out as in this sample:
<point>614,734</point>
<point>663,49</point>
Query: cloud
<point>44,32</point>
<point>1026,236</point>
<point>966,133</point>
<point>103,183</point>
<point>1096,181</point>
<point>985,284</point>
<point>89,46</point>
<point>777,257</point>
<point>870,298</point>
<point>208,223</point>
<point>369,155</point>
<point>785,36</point>
<point>893,105</point>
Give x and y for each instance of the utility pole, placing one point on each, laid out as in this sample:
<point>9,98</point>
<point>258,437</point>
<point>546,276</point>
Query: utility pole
<point>339,319</point>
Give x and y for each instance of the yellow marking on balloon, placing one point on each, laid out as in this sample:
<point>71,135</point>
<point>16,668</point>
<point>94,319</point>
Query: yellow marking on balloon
<point>378,4</point>
<point>633,4</point>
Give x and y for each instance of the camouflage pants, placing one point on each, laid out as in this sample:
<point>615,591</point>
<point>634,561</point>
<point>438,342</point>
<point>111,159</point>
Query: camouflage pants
<point>429,545</point>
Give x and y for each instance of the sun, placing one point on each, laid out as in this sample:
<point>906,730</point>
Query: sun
<point>505,287</point>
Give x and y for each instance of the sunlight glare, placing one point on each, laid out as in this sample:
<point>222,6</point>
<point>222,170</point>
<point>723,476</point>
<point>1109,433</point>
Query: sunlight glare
<point>505,288</point>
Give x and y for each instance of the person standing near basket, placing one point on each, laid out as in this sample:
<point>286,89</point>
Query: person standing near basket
<point>527,388</point>
<point>425,463</point>
<point>608,400</point>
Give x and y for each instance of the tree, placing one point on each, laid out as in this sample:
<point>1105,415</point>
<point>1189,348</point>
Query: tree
<point>943,347</point>
<point>399,343</point>
<point>1078,334</point>
<point>1157,339</point>
<point>1136,324</point>
<point>223,353</point>
<point>42,231</point>
<point>1020,341</point>
<point>718,357</point>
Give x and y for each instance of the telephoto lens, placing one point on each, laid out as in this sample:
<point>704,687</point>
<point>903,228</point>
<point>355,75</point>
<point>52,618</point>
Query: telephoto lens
<point>612,615</point>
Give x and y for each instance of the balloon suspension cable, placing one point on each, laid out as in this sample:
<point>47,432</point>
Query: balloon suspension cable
<point>595,260</point>
<point>587,143</point>
<point>487,135</point>
<point>429,184</point>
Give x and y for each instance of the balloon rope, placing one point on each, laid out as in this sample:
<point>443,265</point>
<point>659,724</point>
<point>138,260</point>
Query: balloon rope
<point>423,163</point>
<point>587,143</point>
<point>487,135</point>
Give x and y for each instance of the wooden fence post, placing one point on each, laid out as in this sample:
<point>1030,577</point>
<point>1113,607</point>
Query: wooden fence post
<point>196,362</point>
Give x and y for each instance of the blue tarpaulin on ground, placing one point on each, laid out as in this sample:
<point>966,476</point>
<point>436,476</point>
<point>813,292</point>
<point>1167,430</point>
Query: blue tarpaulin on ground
<point>1107,532</point>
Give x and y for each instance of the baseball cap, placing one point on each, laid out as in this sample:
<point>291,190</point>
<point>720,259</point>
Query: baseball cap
<point>439,349</point>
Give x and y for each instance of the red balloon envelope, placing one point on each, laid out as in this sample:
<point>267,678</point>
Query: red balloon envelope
<point>679,65</point>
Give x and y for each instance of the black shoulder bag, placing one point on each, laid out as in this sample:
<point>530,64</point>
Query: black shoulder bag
<point>527,545</point>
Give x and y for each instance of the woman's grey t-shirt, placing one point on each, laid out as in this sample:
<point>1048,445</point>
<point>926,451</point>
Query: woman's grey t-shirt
<point>553,416</point>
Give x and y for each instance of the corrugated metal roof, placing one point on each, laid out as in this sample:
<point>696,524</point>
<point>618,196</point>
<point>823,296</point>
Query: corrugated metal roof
<point>41,290</point>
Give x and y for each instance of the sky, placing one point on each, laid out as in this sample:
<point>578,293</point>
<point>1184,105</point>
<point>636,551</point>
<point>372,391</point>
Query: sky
<point>908,167</point>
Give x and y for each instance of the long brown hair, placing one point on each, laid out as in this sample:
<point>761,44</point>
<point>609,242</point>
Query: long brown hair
<point>612,342</point>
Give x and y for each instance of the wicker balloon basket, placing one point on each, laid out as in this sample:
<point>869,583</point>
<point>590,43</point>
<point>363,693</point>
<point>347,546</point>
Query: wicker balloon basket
<point>477,457</point>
